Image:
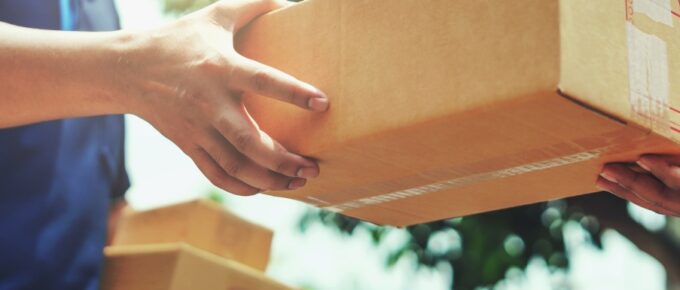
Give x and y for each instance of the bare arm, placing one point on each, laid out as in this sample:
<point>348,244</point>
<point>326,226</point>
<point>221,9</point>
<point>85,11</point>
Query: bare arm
<point>185,79</point>
<point>48,75</point>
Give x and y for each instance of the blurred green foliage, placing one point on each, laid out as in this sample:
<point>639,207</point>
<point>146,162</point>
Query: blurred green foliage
<point>216,196</point>
<point>480,248</point>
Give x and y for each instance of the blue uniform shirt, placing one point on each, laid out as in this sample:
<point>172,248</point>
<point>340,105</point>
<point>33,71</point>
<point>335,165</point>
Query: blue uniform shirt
<point>56,178</point>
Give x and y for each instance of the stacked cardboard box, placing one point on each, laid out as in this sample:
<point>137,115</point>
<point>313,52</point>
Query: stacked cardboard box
<point>443,108</point>
<point>193,245</point>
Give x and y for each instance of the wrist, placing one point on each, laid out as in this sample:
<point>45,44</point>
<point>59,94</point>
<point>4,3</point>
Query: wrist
<point>121,48</point>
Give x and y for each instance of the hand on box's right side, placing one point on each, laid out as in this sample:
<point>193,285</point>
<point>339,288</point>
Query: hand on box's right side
<point>187,81</point>
<point>655,185</point>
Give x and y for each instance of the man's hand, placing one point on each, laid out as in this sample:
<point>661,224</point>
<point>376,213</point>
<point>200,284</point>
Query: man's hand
<point>187,80</point>
<point>653,184</point>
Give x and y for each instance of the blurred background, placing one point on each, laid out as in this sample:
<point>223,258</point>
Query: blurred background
<point>592,242</point>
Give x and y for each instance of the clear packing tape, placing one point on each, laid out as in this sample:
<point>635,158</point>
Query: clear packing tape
<point>469,179</point>
<point>649,30</point>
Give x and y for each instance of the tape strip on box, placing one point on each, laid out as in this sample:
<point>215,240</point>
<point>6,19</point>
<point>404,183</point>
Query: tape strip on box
<point>648,76</point>
<point>648,66</point>
<point>467,180</point>
<point>657,10</point>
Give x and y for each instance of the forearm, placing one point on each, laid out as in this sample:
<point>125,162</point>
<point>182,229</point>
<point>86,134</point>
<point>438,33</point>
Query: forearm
<point>46,75</point>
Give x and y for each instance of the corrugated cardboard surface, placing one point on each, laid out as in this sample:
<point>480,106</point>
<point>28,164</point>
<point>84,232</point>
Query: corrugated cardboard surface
<point>623,56</point>
<point>203,224</point>
<point>177,267</point>
<point>444,108</point>
<point>383,72</point>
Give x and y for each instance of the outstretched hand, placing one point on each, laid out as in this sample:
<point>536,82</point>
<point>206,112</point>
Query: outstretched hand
<point>654,183</point>
<point>188,81</point>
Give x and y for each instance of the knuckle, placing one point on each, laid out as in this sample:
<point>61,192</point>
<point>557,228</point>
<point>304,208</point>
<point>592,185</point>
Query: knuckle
<point>217,179</point>
<point>212,64</point>
<point>225,184</point>
<point>194,102</point>
<point>262,80</point>
<point>233,168</point>
<point>673,183</point>
<point>220,183</point>
<point>210,172</point>
<point>231,72</point>
<point>281,167</point>
<point>192,149</point>
<point>244,140</point>
<point>290,94</point>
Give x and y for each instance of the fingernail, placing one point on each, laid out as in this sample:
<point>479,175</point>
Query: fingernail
<point>317,104</point>
<point>608,177</point>
<point>644,163</point>
<point>308,172</point>
<point>601,184</point>
<point>297,183</point>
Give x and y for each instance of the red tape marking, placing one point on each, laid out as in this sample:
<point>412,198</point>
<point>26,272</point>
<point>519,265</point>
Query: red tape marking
<point>676,14</point>
<point>670,124</point>
<point>660,103</point>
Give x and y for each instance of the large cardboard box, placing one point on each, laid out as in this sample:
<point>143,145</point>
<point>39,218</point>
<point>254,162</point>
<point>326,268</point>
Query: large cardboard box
<point>201,223</point>
<point>443,108</point>
<point>178,267</point>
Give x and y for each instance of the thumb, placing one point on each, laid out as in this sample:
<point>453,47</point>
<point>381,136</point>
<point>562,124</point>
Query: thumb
<point>242,12</point>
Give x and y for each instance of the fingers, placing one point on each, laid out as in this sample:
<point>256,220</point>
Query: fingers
<point>234,164</point>
<point>253,77</point>
<point>664,168</point>
<point>621,192</point>
<point>637,168</point>
<point>218,177</point>
<point>644,186</point>
<point>236,125</point>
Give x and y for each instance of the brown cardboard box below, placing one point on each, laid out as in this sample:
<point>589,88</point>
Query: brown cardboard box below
<point>177,267</point>
<point>202,224</point>
<point>443,108</point>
